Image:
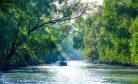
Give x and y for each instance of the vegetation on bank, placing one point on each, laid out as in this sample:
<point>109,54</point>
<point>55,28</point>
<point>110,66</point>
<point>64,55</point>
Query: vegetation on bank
<point>35,31</point>
<point>111,34</point>
<point>30,30</point>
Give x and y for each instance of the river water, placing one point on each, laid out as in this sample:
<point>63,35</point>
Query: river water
<point>77,72</point>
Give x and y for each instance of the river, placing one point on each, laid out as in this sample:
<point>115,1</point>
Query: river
<point>77,72</point>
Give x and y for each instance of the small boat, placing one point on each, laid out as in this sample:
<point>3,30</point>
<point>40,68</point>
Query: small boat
<point>62,63</point>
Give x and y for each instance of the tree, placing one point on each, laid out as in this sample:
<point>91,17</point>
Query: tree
<point>111,36</point>
<point>27,16</point>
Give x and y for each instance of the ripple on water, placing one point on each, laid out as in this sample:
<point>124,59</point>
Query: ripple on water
<point>77,72</point>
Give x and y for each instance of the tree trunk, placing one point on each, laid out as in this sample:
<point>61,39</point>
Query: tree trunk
<point>5,64</point>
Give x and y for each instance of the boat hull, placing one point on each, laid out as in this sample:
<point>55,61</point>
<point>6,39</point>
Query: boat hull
<point>62,64</point>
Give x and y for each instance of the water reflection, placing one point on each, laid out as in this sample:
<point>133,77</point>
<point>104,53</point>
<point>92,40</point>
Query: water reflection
<point>77,72</point>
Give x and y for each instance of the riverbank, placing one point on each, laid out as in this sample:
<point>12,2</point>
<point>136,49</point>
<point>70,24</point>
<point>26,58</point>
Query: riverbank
<point>16,66</point>
<point>116,64</point>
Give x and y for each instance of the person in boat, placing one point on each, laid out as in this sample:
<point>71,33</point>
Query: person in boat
<point>62,61</point>
<point>61,58</point>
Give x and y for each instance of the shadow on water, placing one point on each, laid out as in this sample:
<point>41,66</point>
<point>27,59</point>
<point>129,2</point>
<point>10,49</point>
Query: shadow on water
<point>29,70</point>
<point>26,75</point>
<point>105,66</point>
<point>116,74</point>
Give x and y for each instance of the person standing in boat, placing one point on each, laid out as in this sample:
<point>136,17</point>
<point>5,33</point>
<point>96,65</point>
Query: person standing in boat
<point>62,61</point>
<point>61,58</point>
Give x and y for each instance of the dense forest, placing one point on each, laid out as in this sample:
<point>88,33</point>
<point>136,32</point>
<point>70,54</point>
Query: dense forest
<point>111,34</point>
<point>35,31</point>
<point>32,31</point>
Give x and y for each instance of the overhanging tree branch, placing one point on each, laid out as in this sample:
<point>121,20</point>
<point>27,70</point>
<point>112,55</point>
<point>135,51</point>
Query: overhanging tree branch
<point>44,24</point>
<point>56,21</point>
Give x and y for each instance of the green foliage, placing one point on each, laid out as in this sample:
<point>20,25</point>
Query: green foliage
<point>117,28</point>
<point>27,30</point>
<point>78,40</point>
<point>111,36</point>
<point>134,42</point>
